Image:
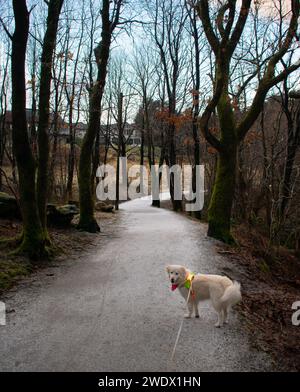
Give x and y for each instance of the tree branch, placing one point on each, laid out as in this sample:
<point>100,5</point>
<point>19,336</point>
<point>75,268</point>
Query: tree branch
<point>203,12</point>
<point>239,27</point>
<point>269,79</point>
<point>5,29</point>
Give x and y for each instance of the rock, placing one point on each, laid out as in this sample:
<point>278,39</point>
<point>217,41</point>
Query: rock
<point>74,202</point>
<point>108,208</point>
<point>61,216</point>
<point>8,206</point>
<point>102,206</point>
<point>99,205</point>
<point>68,209</point>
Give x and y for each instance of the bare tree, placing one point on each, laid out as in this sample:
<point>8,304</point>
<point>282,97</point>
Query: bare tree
<point>223,43</point>
<point>169,28</point>
<point>54,9</point>
<point>110,19</point>
<point>33,237</point>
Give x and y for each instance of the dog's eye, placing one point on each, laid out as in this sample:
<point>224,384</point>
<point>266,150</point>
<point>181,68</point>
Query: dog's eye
<point>176,273</point>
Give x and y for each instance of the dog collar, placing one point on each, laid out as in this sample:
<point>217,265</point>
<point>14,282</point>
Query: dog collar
<point>188,281</point>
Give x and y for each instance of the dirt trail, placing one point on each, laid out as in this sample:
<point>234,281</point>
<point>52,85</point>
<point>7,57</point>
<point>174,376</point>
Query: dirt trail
<point>114,310</point>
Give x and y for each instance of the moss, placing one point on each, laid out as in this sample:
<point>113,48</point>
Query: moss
<point>11,271</point>
<point>219,212</point>
<point>220,206</point>
<point>89,225</point>
<point>35,244</point>
<point>263,266</point>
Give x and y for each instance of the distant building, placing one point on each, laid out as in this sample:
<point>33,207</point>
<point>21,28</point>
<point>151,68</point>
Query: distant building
<point>131,133</point>
<point>32,123</point>
<point>108,134</point>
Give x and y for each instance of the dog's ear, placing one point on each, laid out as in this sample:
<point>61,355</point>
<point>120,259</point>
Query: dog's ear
<point>182,271</point>
<point>168,268</point>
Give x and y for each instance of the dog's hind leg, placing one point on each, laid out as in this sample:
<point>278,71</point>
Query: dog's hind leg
<point>220,321</point>
<point>190,310</point>
<point>215,300</point>
<point>226,313</point>
<point>225,310</point>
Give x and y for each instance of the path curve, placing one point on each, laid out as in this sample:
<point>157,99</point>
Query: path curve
<point>114,310</point>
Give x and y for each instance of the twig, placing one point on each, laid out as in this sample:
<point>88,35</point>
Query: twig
<point>10,187</point>
<point>6,29</point>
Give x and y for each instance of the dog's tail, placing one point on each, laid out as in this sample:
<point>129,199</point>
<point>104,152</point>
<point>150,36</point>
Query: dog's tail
<point>232,294</point>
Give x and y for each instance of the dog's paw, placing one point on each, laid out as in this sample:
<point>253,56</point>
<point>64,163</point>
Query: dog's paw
<point>187,316</point>
<point>197,316</point>
<point>217,325</point>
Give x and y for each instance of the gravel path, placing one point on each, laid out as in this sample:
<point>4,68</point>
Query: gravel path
<point>114,311</point>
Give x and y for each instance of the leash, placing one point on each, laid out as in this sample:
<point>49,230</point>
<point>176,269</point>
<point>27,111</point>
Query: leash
<point>181,324</point>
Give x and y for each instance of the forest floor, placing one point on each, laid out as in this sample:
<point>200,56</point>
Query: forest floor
<point>270,281</point>
<point>271,284</point>
<point>67,242</point>
<point>108,305</point>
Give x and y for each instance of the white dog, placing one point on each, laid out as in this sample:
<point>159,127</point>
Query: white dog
<point>222,292</point>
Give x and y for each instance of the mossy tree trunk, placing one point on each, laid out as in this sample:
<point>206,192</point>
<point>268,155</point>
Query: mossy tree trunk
<point>54,9</point>
<point>219,212</point>
<point>33,237</point>
<point>233,132</point>
<point>87,221</point>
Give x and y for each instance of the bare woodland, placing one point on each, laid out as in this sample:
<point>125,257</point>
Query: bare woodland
<point>199,82</point>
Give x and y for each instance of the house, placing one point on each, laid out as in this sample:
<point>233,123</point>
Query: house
<point>56,124</point>
<point>110,133</point>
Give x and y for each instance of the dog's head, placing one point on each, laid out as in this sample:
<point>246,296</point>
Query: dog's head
<point>177,275</point>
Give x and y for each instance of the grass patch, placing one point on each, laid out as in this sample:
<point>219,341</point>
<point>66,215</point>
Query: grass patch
<point>11,271</point>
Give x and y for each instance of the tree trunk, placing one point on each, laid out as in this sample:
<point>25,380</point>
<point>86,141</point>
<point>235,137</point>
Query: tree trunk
<point>96,161</point>
<point>53,156</point>
<point>177,204</point>
<point>156,203</point>
<point>87,221</point>
<point>54,8</point>
<point>196,106</point>
<point>293,143</point>
<point>220,206</point>
<point>219,212</point>
<point>141,187</point>
<point>197,214</point>
<point>33,237</point>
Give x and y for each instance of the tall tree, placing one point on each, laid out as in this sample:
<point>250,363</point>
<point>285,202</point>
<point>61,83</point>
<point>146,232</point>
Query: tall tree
<point>293,144</point>
<point>232,132</point>
<point>54,9</point>
<point>110,20</point>
<point>33,236</point>
<point>169,28</point>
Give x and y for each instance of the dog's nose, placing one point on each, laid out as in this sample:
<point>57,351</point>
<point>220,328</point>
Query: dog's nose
<point>172,280</point>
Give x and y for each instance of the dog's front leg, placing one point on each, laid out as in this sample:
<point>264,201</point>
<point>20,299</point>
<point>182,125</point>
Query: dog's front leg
<point>196,309</point>
<point>190,310</point>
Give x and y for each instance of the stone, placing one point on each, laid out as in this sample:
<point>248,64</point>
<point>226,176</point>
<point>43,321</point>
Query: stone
<point>102,206</point>
<point>61,216</point>
<point>9,207</point>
